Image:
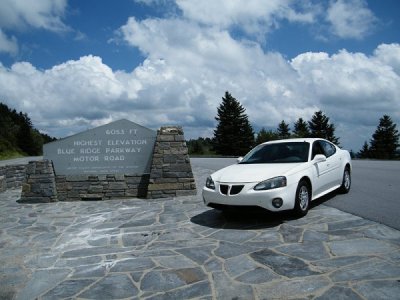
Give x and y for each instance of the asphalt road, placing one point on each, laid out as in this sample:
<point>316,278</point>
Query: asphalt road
<point>21,160</point>
<point>374,195</point>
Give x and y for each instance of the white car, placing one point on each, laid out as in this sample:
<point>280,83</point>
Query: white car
<point>281,175</point>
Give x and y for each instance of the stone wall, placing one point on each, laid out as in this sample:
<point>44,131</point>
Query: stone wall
<point>3,184</point>
<point>101,187</point>
<point>170,176</point>
<point>40,184</point>
<point>12,176</point>
<point>171,173</point>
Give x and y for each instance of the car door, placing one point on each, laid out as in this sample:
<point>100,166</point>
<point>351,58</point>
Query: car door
<point>320,169</point>
<point>333,164</point>
<point>325,176</point>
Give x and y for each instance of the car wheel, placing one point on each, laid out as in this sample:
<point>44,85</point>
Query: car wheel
<point>346,182</point>
<point>303,197</point>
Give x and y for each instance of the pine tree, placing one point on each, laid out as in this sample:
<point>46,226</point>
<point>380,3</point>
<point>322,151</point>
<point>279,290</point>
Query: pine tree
<point>301,129</point>
<point>283,130</point>
<point>321,128</point>
<point>385,140</point>
<point>234,134</point>
<point>266,136</point>
<point>25,138</point>
<point>17,135</point>
<point>364,152</point>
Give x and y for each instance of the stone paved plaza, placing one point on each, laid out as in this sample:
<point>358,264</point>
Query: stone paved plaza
<point>179,249</point>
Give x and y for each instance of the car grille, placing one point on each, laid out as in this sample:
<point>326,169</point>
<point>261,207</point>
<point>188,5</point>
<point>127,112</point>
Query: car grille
<point>230,190</point>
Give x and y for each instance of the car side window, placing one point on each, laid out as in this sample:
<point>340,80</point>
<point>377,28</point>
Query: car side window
<point>317,149</point>
<point>328,148</point>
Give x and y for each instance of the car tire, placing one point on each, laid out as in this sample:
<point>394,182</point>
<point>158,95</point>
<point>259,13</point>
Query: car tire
<point>303,199</point>
<point>346,181</point>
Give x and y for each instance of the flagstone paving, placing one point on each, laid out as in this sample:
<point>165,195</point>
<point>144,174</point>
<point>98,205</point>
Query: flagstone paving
<point>179,249</point>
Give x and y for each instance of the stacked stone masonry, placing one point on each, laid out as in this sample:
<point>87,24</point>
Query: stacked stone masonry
<point>170,176</point>
<point>40,184</point>
<point>101,187</point>
<point>171,173</point>
<point>12,176</point>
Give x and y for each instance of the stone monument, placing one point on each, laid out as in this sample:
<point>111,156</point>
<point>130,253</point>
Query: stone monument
<point>118,160</point>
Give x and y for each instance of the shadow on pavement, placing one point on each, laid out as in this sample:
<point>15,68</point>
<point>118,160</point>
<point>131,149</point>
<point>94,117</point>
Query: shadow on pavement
<point>323,199</point>
<point>241,218</point>
<point>250,217</point>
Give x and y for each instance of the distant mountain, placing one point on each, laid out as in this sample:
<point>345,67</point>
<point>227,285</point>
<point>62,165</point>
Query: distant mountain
<point>17,134</point>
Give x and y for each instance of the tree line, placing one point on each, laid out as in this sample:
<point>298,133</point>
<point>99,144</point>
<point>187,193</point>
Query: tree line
<point>18,137</point>
<point>384,143</point>
<point>234,135</point>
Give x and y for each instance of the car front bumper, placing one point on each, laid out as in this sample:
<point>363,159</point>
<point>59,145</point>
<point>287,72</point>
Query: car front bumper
<point>249,197</point>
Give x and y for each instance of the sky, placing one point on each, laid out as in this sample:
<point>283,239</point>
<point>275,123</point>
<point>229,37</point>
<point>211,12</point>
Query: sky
<point>72,65</point>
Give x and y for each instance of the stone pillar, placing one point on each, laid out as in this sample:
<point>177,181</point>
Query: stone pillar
<point>3,185</point>
<point>40,185</point>
<point>171,173</point>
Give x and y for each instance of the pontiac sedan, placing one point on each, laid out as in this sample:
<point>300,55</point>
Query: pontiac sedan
<point>281,175</point>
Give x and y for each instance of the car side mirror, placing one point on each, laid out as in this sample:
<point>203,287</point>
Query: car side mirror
<point>319,158</point>
<point>239,159</point>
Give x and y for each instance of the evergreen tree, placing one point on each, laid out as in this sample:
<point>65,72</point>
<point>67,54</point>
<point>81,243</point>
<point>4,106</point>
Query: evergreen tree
<point>364,152</point>
<point>195,146</point>
<point>266,136</point>
<point>234,134</point>
<point>283,130</point>
<point>321,128</point>
<point>17,135</point>
<point>25,138</point>
<point>385,140</point>
<point>301,129</point>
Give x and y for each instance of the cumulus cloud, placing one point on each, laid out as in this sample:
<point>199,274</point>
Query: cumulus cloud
<point>20,15</point>
<point>8,44</point>
<point>191,61</point>
<point>389,54</point>
<point>350,18</point>
<point>352,83</point>
<point>45,14</point>
<point>254,17</point>
<point>83,88</point>
<point>354,90</point>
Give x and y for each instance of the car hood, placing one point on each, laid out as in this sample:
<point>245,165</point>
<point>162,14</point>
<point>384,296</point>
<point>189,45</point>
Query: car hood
<point>254,172</point>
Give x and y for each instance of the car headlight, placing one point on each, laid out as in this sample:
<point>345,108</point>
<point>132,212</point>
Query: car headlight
<point>210,183</point>
<point>272,183</point>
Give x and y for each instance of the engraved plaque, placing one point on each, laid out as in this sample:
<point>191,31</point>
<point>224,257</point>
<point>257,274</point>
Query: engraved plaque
<point>120,147</point>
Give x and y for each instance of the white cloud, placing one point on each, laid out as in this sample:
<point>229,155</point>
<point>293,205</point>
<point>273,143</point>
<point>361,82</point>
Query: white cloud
<point>21,14</point>
<point>256,17</point>
<point>351,80</point>
<point>389,54</point>
<point>8,44</point>
<point>355,89</point>
<point>190,64</point>
<point>350,18</point>
<point>85,88</point>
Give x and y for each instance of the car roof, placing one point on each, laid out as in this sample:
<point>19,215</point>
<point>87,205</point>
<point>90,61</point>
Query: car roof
<point>307,140</point>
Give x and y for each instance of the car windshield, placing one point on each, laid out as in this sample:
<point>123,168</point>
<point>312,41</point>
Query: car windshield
<point>290,152</point>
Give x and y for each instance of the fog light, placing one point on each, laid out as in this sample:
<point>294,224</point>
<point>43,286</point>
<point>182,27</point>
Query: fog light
<point>277,202</point>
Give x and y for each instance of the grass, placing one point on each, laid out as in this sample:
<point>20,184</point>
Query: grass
<point>10,155</point>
